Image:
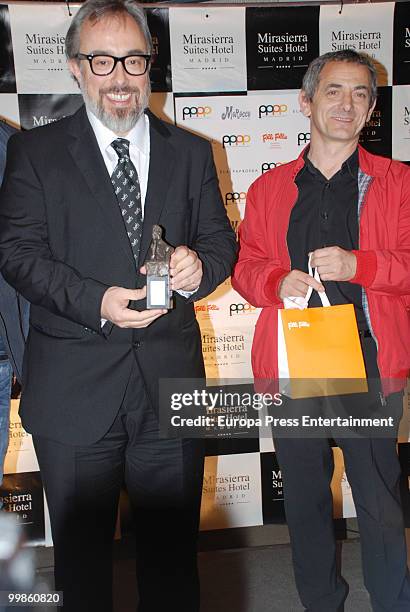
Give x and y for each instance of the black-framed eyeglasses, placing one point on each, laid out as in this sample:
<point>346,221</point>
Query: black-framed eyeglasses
<point>103,65</point>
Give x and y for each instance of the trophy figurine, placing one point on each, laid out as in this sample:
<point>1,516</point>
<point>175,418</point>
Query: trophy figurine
<point>159,293</point>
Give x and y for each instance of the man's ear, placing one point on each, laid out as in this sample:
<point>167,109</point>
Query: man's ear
<point>304,103</point>
<point>74,68</point>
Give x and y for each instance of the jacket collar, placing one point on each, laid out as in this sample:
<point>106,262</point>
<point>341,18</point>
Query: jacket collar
<point>372,165</point>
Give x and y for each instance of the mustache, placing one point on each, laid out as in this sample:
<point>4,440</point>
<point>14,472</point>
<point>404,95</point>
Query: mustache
<point>119,90</point>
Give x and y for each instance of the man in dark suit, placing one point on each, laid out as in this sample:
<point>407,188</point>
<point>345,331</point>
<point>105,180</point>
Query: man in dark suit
<point>13,328</point>
<point>77,208</point>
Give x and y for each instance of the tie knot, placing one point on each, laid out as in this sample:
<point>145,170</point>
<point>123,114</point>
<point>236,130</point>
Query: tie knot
<point>122,147</point>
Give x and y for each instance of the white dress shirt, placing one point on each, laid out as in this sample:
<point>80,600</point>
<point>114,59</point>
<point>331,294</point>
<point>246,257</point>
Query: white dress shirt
<point>139,148</point>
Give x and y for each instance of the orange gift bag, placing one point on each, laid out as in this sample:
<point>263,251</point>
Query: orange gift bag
<point>319,351</point>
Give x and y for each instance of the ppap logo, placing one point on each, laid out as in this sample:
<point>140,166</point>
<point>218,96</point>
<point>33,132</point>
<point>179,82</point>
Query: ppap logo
<point>196,112</point>
<point>236,140</point>
<point>270,165</point>
<point>235,197</point>
<point>273,110</point>
<point>242,308</point>
<point>303,138</point>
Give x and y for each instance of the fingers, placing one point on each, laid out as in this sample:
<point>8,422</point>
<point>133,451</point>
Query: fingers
<point>297,283</point>
<point>185,269</point>
<point>114,308</point>
<point>312,282</point>
<point>137,294</point>
<point>334,263</point>
<point>179,255</point>
<point>138,319</point>
<point>189,278</point>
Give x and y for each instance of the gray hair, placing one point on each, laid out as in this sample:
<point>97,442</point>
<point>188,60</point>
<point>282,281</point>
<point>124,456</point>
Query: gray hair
<point>95,10</point>
<point>312,75</point>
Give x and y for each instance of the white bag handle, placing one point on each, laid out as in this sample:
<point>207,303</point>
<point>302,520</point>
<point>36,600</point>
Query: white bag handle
<point>301,303</point>
<point>322,294</point>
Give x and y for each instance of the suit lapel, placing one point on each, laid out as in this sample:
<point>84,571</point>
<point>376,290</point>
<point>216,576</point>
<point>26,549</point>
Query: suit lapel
<point>161,165</point>
<point>86,154</point>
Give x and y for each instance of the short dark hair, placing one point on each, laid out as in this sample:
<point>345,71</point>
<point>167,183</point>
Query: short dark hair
<point>98,9</point>
<point>312,75</point>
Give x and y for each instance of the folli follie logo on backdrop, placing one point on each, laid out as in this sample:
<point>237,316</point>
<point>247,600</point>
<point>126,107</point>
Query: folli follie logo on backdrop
<point>274,140</point>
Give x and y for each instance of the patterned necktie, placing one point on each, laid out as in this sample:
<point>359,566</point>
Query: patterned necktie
<point>127,189</point>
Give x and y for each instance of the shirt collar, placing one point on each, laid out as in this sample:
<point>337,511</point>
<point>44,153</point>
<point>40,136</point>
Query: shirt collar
<point>138,136</point>
<point>350,165</point>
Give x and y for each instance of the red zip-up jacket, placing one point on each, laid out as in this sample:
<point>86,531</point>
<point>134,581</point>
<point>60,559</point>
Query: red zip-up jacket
<point>383,260</point>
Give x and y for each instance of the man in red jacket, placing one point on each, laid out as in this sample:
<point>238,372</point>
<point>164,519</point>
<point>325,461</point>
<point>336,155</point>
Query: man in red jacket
<point>351,210</point>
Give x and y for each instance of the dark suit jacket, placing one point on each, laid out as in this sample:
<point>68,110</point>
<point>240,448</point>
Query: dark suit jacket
<point>63,243</point>
<point>14,309</point>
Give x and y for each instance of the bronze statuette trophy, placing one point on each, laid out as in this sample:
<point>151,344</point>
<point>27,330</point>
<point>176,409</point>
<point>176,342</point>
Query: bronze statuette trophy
<point>159,293</point>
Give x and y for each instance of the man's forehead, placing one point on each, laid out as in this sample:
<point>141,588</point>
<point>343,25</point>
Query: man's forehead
<point>339,72</point>
<point>111,25</point>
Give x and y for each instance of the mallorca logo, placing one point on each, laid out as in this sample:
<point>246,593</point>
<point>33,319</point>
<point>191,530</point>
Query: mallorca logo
<point>272,110</point>
<point>235,196</point>
<point>235,113</point>
<point>235,140</point>
<point>196,112</point>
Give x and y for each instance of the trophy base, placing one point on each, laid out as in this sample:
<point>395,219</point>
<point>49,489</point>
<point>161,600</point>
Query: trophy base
<point>158,292</point>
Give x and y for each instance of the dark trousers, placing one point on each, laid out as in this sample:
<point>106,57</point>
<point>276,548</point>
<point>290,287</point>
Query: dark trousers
<point>373,471</point>
<point>164,482</point>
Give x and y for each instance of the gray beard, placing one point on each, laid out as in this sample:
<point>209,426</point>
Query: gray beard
<point>121,120</point>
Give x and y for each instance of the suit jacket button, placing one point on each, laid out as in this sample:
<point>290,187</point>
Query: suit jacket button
<point>136,344</point>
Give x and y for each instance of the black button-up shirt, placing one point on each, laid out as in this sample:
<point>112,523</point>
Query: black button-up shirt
<point>325,214</point>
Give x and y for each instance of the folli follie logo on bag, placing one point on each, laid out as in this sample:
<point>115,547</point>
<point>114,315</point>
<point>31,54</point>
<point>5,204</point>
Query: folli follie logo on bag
<point>298,324</point>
